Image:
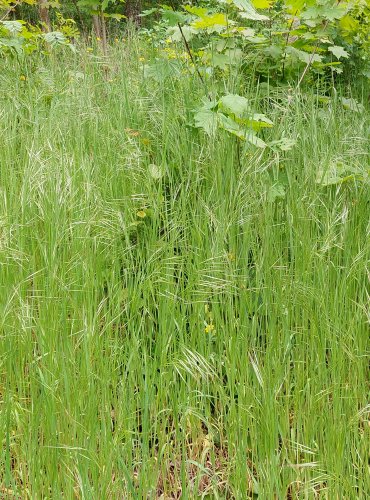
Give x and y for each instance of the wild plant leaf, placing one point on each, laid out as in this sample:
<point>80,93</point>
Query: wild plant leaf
<point>161,69</point>
<point>242,133</point>
<point>231,126</point>
<point>173,17</point>
<point>247,11</point>
<point>301,55</point>
<point>176,35</point>
<point>247,7</point>
<point>276,192</point>
<point>338,51</point>
<point>252,138</point>
<point>318,12</point>
<point>15,44</point>
<point>148,12</point>
<point>352,104</point>
<point>207,120</point>
<point>212,22</point>
<point>258,121</point>
<point>348,25</point>
<point>197,11</point>
<point>13,27</point>
<point>221,61</point>
<point>262,4</point>
<point>334,12</point>
<point>339,172</point>
<point>283,144</point>
<point>234,104</point>
<point>55,38</point>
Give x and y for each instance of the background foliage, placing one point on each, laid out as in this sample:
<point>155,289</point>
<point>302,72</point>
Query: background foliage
<point>278,37</point>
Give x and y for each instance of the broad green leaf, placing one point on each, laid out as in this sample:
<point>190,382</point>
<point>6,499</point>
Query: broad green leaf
<point>252,138</point>
<point>148,12</point>
<point>207,120</point>
<point>117,17</point>
<point>303,56</point>
<point>331,13</point>
<point>210,21</point>
<point>234,104</point>
<point>352,105</point>
<point>258,121</point>
<point>247,11</point>
<point>338,172</point>
<point>349,26</point>
<point>161,69</point>
<point>13,43</point>
<point>283,144</point>
<point>231,126</point>
<point>173,17</point>
<point>334,12</point>
<point>13,27</point>
<point>229,58</point>
<point>197,11</point>
<point>221,61</point>
<point>55,38</point>
<point>338,51</point>
<point>294,6</point>
<point>234,128</point>
<point>276,192</point>
<point>262,4</point>
<point>176,36</point>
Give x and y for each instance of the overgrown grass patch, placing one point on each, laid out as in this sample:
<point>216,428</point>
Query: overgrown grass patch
<point>181,315</point>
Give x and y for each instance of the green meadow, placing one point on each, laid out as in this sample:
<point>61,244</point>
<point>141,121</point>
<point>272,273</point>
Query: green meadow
<point>182,315</point>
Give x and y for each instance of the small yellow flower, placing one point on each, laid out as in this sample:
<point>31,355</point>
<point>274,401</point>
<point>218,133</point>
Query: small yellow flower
<point>141,59</point>
<point>209,328</point>
<point>98,39</point>
<point>116,40</point>
<point>141,214</point>
<point>89,49</point>
<point>23,78</point>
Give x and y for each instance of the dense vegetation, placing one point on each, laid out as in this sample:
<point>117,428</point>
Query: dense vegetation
<point>184,197</point>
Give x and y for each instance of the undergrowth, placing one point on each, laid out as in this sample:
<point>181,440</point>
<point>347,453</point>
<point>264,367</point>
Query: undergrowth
<point>181,315</point>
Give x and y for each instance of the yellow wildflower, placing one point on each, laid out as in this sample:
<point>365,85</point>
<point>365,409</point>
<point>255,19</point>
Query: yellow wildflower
<point>23,78</point>
<point>210,327</point>
<point>141,214</point>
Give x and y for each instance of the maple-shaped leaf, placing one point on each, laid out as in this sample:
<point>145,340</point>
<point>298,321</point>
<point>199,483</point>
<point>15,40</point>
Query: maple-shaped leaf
<point>338,51</point>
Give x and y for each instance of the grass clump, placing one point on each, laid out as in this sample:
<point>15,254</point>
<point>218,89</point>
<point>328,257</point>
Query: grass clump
<point>180,316</point>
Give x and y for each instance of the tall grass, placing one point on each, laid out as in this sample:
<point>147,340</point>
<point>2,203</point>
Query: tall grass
<point>183,333</point>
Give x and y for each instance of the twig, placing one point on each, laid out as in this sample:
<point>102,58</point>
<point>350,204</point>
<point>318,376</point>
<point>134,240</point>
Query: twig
<point>188,50</point>
<point>309,62</point>
<point>10,9</point>
<point>313,53</point>
<point>286,43</point>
